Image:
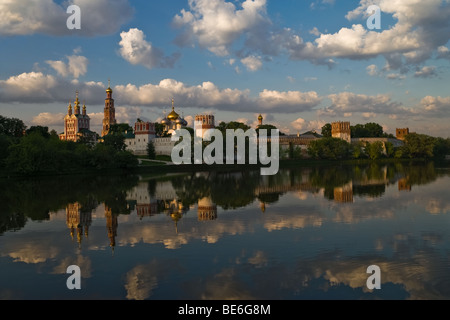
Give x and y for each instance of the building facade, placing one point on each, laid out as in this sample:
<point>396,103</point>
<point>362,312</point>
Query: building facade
<point>341,130</point>
<point>203,123</point>
<point>76,123</point>
<point>137,142</point>
<point>109,118</point>
<point>401,133</point>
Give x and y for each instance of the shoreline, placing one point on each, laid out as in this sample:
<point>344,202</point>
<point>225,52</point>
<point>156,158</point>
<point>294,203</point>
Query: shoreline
<point>164,168</point>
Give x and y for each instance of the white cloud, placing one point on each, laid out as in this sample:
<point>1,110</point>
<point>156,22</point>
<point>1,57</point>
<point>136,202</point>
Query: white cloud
<point>37,87</point>
<point>48,119</point>
<point>372,70</point>
<point>293,101</point>
<point>216,24</point>
<point>208,95</point>
<point>421,29</point>
<point>76,66</point>
<point>348,102</point>
<point>443,52</point>
<point>301,125</point>
<point>436,106</point>
<point>395,76</point>
<point>252,63</point>
<point>137,51</point>
<point>426,72</point>
<point>290,79</point>
<point>26,17</point>
<point>369,115</point>
<point>298,124</point>
<point>314,31</point>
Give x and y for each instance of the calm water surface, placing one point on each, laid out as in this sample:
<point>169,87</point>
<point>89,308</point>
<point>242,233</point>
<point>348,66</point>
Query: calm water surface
<point>307,233</point>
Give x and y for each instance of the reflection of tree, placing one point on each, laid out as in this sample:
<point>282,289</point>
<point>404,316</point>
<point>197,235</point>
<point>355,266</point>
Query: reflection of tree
<point>269,198</point>
<point>231,191</point>
<point>35,198</point>
<point>228,190</point>
<point>330,178</point>
<point>373,191</point>
<point>418,174</point>
<point>191,188</point>
<point>11,221</point>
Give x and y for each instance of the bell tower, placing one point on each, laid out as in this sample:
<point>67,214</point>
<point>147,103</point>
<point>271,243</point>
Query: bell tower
<point>110,111</point>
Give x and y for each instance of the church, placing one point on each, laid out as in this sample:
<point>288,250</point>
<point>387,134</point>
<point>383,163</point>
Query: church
<point>77,123</point>
<point>173,122</point>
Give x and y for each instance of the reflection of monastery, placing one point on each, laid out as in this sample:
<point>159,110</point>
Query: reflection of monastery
<point>165,200</point>
<point>149,199</point>
<point>341,194</point>
<point>79,219</point>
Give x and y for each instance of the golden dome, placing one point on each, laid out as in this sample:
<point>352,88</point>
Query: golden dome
<point>109,90</point>
<point>260,117</point>
<point>173,115</point>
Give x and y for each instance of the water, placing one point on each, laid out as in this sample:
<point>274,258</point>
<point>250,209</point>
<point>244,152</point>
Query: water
<point>307,233</point>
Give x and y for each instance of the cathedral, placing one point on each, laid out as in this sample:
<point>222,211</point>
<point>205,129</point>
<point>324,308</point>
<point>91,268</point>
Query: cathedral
<point>173,122</point>
<point>76,123</point>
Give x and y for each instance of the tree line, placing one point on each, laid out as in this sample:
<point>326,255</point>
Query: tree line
<point>37,151</point>
<point>416,146</point>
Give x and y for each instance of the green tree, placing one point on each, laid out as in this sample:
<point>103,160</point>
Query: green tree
<point>441,148</point>
<point>151,153</point>
<point>374,130</point>
<point>43,131</point>
<point>329,149</point>
<point>390,149</point>
<point>269,129</point>
<point>327,130</point>
<point>120,128</point>
<point>419,146</point>
<point>368,130</point>
<point>374,150</point>
<point>12,127</point>
<point>358,150</point>
<point>115,141</point>
<point>5,143</point>
<point>233,125</point>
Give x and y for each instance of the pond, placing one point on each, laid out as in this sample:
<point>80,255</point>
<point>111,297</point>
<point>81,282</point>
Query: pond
<point>306,233</point>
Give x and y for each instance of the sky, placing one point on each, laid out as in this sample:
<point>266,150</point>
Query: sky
<point>299,63</point>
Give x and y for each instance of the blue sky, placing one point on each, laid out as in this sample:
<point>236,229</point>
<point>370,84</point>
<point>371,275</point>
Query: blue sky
<point>299,63</point>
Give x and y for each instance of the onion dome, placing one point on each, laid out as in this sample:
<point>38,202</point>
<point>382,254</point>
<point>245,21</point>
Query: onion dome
<point>109,90</point>
<point>173,116</point>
